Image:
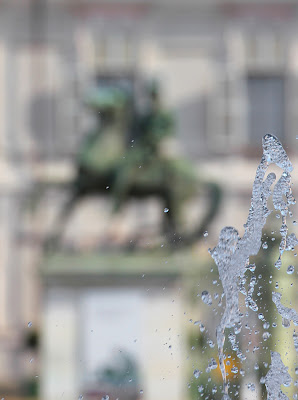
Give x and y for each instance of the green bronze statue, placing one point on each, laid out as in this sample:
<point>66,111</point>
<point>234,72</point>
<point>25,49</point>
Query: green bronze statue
<point>124,153</point>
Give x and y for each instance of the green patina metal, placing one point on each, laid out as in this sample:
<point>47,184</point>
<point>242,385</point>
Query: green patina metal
<point>124,153</point>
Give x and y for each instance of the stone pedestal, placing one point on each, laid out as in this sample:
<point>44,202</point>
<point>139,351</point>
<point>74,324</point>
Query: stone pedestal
<point>101,311</point>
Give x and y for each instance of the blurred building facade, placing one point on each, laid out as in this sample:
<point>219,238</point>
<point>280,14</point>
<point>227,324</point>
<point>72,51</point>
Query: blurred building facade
<point>229,70</point>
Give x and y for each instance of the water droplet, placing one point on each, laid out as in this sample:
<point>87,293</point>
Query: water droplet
<point>290,269</point>
<point>237,329</point>
<point>31,360</point>
<point>106,397</point>
<point>214,389</point>
<point>262,380</point>
<point>256,367</point>
<point>234,370</point>
<point>205,234</point>
<point>29,324</point>
<point>251,386</point>
<point>296,370</point>
<point>232,338</point>
<point>286,322</point>
<point>141,391</point>
<point>283,229</point>
<point>107,187</point>
<point>261,316</point>
<point>206,297</point>
<point>200,388</point>
<point>251,267</point>
<point>265,246</point>
<point>211,365</point>
<point>166,210</point>
<point>266,335</point>
<point>266,325</point>
<point>278,263</point>
<point>196,373</point>
<point>80,397</point>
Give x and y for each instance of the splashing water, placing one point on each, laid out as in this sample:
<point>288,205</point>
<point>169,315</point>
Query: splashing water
<point>287,313</point>
<point>278,375</point>
<point>295,340</point>
<point>206,298</point>
<point>232,253</point>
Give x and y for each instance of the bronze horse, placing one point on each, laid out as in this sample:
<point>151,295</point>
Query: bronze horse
<point>107,165</point>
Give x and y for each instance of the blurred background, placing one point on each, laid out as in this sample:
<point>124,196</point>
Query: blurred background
<point>130,133</point>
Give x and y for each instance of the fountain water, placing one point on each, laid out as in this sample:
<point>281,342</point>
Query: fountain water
<point>232,254</point>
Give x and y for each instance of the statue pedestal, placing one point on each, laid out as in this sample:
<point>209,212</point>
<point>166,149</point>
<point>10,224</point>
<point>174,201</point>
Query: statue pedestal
<point>113,318</point>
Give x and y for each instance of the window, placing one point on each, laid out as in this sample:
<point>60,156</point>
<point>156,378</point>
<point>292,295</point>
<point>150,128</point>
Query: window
<point>265,107</point>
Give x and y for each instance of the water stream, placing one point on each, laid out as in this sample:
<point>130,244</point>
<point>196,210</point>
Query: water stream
<point>232,253</point>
